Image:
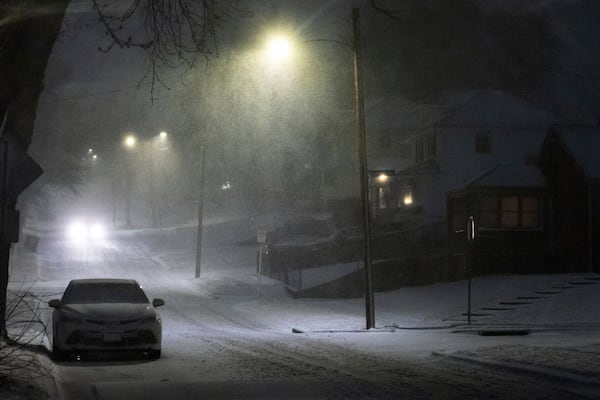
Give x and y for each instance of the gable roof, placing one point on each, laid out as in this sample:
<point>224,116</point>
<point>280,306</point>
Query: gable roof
<point>582,142</point>
<point>507,176</point>
<point>488,109</point>
<point>498,109</point>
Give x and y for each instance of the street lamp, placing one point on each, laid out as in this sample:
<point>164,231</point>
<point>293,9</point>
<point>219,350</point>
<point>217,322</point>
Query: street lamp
<point>130,141</point>
<point>279,49</point>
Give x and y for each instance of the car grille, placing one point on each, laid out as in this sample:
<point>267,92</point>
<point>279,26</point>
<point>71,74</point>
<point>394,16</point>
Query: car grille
<point>109,323</point>
<point>96,338</point>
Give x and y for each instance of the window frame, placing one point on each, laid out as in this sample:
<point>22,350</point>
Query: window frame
<point>501,221</point>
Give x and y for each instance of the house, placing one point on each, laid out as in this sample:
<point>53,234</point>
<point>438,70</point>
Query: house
<point>473,154</point>
<point>479,132</point>
<point>569,159</point>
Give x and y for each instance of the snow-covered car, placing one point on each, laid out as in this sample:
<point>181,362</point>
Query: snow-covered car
<point>105,314</point>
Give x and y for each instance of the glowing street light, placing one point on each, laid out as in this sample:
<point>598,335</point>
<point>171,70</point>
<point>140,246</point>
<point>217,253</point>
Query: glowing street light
<point>279,47</point>
<point>130,141</point>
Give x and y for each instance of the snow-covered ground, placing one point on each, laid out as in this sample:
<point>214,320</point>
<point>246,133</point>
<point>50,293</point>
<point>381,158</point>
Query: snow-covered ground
<point>539,325</point>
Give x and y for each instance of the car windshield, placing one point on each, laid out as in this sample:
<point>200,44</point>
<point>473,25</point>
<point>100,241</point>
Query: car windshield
<point>85,293</point>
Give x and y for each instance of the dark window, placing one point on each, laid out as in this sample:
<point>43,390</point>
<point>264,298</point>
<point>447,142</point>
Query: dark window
<point>489,211</point>
<point>482,142</point>
<point>431,145</point>
<point>419,149</point>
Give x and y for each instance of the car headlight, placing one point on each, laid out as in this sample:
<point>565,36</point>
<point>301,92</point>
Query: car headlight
<point>81,232</point>
<point>154,318</point>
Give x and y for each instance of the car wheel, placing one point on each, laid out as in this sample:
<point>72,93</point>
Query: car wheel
<point>154,354</point>
<point>57,353</point>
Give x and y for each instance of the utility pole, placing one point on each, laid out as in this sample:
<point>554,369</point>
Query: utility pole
<point>364,182</point>
<point>200,212</point>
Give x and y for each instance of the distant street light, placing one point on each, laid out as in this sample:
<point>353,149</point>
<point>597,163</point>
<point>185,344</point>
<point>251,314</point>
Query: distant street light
<point>130,141</point>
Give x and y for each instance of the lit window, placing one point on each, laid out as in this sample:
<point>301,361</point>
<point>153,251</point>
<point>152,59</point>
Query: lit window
<point>530,212</point>
<point>510,212</point>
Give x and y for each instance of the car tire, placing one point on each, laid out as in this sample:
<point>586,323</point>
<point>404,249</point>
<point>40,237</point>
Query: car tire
<point>154,354</point>
<point>57,353</point>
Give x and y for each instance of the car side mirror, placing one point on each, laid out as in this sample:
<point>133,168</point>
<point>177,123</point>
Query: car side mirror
<point>54,303</point>
<point>158,302</point>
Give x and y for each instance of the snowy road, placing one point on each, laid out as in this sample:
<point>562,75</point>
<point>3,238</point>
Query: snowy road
<point>225,346</point>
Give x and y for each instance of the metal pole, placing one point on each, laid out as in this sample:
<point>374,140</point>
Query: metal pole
<point>260,250</point>
<point>128,194</point>
<point>364,184</point>
<point>470,242</point>
<point>4,247</point>
<point>590,228</point>
<point>200,213</point>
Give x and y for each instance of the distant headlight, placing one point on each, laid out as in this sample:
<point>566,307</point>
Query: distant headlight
<point>81,232</point>
<point>97,231</point>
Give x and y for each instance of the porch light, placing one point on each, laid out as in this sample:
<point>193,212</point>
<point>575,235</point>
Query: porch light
<point>408,199</point>
<point>383,178</point>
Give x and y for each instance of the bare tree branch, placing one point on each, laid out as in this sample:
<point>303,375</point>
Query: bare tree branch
<point>397,13</point>
<point>176,33</point>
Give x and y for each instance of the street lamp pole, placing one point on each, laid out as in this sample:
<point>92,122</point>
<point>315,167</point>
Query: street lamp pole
<point>364,183</point>
<point>130,143</point>
<point>200,212</point>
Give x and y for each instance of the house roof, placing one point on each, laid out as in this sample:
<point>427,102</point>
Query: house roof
<point>508,176</point>
<point>490,108</point>
<point>394,114</point>
<point>497,109</point>
<point>583,143</point>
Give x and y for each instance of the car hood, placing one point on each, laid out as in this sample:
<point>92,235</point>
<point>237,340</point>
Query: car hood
<point>110,311</point>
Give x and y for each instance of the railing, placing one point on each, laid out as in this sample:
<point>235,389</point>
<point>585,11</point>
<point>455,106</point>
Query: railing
<point>409,250</point>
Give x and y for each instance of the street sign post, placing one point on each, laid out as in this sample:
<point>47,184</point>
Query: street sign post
<point>261,239</point>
